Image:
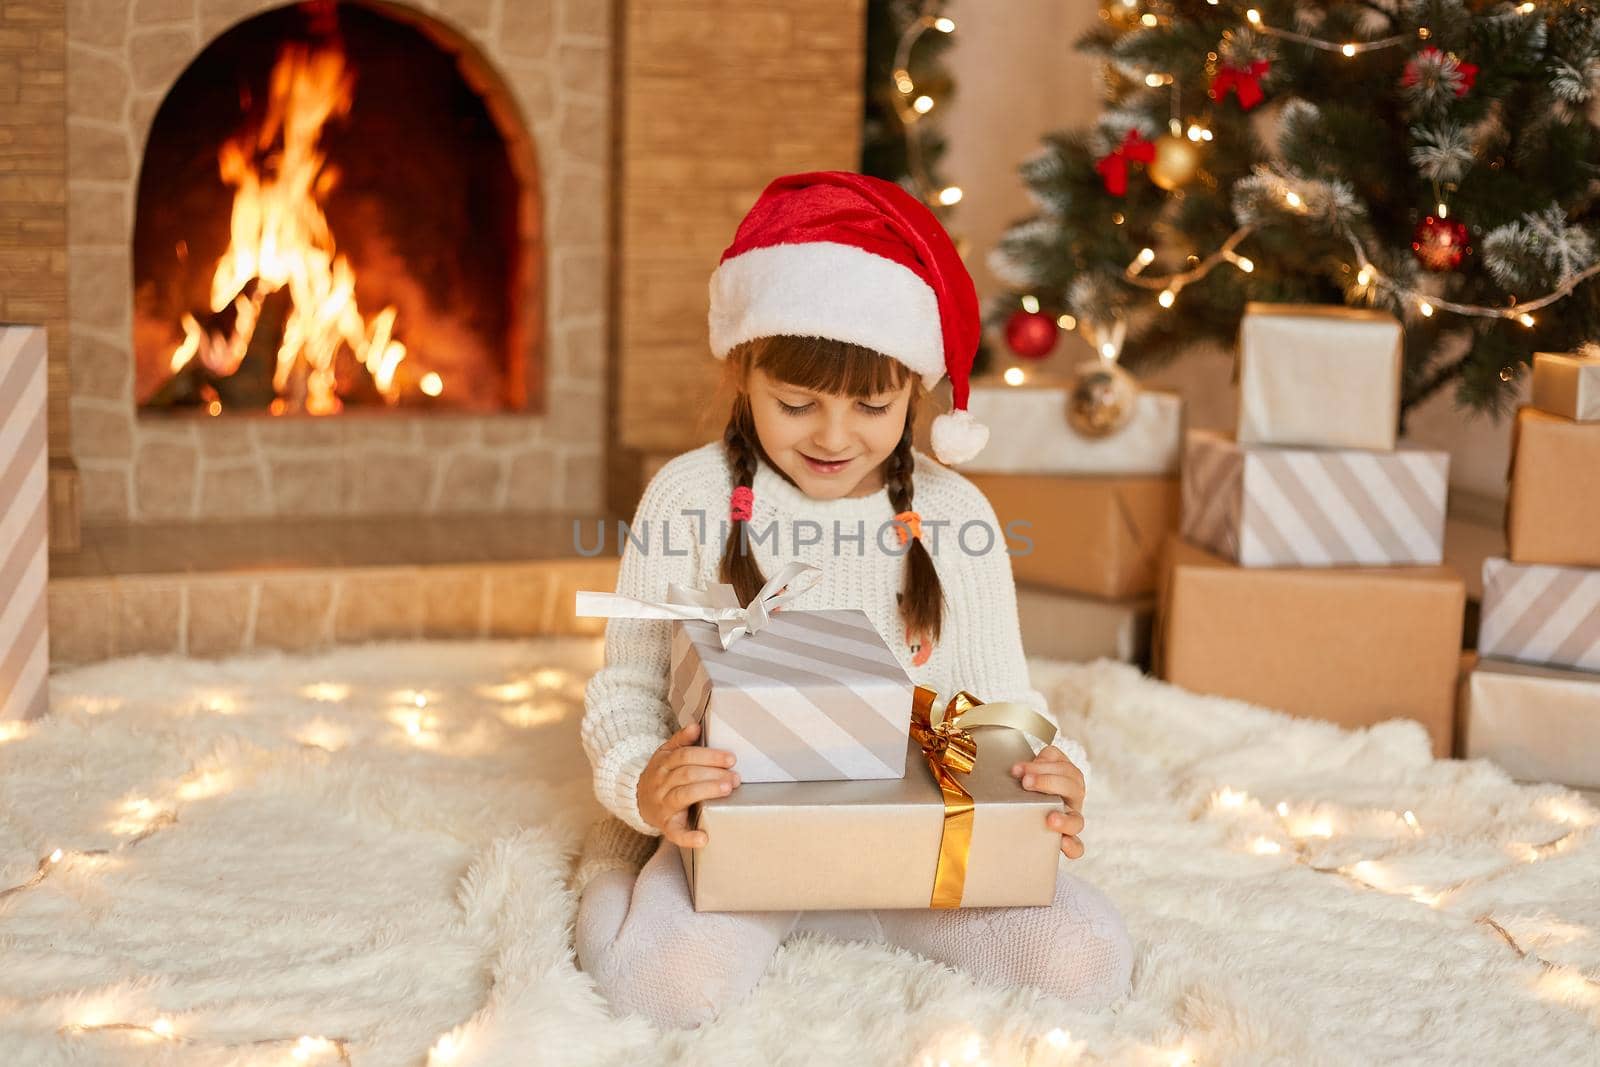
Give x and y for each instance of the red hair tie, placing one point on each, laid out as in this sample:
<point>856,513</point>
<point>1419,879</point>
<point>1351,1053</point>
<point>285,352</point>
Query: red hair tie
<point>740,505</point>
<point>911,519</point>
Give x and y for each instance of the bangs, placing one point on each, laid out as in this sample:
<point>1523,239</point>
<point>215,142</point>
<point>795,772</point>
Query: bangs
<point>823,365</point>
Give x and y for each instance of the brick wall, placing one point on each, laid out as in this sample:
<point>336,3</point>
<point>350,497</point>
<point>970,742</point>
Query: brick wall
<point>716,98</point>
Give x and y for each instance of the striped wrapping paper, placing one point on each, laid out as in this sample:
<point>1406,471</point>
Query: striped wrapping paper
<point>24,527</point>
<point>1300,507</point>
<point>1539,613</point>
<point>814,696</point>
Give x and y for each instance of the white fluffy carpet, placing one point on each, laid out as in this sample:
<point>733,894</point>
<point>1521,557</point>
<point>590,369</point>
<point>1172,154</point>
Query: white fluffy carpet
<point>345,864</point>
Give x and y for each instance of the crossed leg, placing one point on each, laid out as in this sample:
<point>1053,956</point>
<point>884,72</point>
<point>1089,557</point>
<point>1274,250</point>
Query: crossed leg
<point>651,953</point>
<point>1077,948</point>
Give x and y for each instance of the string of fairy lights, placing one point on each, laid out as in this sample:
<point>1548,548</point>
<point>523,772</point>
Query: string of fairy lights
<point>912,106</point>
<point>140,818</point>
<point>1293,831</point>
<point>1371,282</point>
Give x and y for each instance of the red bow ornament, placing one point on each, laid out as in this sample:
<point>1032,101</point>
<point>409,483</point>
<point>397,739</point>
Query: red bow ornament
<point>1244,81</point>
<point>1114,167</point>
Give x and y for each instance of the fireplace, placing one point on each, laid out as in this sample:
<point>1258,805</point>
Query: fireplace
<point>327,219</point>
<point>445,176</point>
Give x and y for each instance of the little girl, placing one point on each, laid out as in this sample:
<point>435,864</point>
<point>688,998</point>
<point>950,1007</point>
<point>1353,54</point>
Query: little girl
<point>839,304</point>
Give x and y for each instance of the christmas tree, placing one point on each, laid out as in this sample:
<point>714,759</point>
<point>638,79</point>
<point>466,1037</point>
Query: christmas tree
<point>1437,158</point>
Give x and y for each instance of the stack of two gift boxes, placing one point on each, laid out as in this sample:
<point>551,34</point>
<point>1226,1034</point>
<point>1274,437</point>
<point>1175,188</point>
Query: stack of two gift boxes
<point>1307,574</point>
<point>1086,516</point>
<point>840,805</point>
<point>1532,704</point>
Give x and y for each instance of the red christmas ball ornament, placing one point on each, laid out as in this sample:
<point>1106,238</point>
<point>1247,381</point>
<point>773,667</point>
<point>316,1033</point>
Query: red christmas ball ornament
<point>1439,243</point>
<point>1031,334</point>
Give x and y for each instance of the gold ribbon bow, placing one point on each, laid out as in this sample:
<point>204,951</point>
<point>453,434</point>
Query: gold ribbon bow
<point>945,736</point>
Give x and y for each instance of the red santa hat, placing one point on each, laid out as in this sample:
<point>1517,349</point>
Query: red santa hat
<point>857,259</point>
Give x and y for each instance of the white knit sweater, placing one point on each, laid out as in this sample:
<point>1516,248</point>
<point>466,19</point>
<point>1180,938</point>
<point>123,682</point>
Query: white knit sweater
<point>682,523</point>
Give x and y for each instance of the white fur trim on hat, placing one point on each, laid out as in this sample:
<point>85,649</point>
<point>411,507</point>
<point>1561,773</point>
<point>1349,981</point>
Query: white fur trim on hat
<point>827,289</point>
<point>958,436</point>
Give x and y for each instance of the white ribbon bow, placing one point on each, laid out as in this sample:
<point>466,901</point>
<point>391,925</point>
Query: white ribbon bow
<point>716,603</point>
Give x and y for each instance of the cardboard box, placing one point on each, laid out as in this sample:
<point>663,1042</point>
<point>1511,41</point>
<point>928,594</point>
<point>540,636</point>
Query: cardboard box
<point>1542,614</point>
<point>1538,723</point>
<point>1553,511</point>
<point>826,846</point>
<point>1099,537</point>
<point>1355,646</point>
<point>1303,507</point>
<point>1567,385</point>
<point>1037,438</point>
<point>1319,375</point>
<point>1078,629</point>
<point>814,696</point>
<point>24,525</point>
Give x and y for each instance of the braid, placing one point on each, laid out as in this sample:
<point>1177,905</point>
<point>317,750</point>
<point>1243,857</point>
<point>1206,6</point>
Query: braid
<point>922,606</point>
<point>738,567</point>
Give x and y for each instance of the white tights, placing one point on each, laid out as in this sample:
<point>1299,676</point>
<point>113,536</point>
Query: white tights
<point>652,954</point>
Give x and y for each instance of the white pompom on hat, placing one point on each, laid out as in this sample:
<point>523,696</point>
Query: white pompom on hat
<point>857,259</point>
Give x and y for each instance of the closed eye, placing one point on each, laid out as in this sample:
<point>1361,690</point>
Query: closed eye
<point>789,409</point>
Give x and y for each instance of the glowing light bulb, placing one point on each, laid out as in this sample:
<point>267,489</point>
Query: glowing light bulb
<point>1059,1038</point>
<point>161,1027</point>
<point>1030,304</point>
<point>1444,210</point>
<point>1246,264</point>
<point>1230,798</point>
<point>1146,256</point>
<point>1108,350</point>
<point>1148,19</point>
<point>1152,80</point>
<point>55,856</point>
<point>1292,198</point>
<point>1348,50</point>
<point>420,700</point>
<point>1525,9</point>
<point>1426,309</point>
<point>950,194</point>
<point>1014,376</point>
<point>1411,819</point>
<point>1167,298</point>
<point>1263,847</point>
<point>1526,319</point>
<point>1282,809</point>
<point>1363,276</point>
<point>1067,322</point>
<point>1254,16</point>
<point>944,25</point>
<point>431,384</point>
<point>922,105</point>
<point>902,81</point>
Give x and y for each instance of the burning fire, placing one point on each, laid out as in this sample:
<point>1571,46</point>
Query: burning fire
<point>280,241</point>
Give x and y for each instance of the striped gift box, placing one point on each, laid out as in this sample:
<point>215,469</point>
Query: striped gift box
<point>813,696</point>
<point>24,528</point>
<point>1301,507</point>
<point>1539,613</point>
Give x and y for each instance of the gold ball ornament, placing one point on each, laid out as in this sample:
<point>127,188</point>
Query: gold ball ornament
<point>1176,163</point>
<point>1100,398</point>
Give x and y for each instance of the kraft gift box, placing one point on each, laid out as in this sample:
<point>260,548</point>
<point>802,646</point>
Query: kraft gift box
<point>826,846</point>
<point>1553,510</point>
<point>812,696</point>
<point>24,525</point>
<point>1319,375</point>
<point>1039,440</point>
<point>1539,724</point>
<point>1568,386</point>
<point>1538,613</point>
<point>1096,536</point>
<point>1355,646</point>
<point>1065,626</point>
<point>1302,507</point>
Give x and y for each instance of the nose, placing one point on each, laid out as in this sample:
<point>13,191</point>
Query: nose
<point>834,436</point>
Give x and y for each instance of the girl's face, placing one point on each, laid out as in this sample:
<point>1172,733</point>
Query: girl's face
<point>830,446</point>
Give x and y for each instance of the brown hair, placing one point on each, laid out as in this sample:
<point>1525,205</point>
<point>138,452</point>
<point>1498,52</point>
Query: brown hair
<point>842,369</point>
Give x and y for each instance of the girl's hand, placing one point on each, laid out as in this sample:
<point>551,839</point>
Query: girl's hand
<point>1051,772</point>
<point>680,774</point>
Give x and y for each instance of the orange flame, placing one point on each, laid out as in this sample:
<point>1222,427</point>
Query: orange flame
<point>280,237</point>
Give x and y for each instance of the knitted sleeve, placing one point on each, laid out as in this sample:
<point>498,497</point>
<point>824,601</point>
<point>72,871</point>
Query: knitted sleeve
<point>990,661</point>
<point>626,715</point>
